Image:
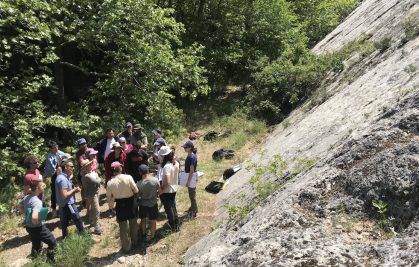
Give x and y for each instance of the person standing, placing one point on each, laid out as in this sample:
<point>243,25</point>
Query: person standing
<point>134,159</point>
<point>140,136</point>
<point>121,189</point>
<point>104,147</point>
<point>116,155</point>
<point>191,163</point>
<point>168,187</point>
<point>52,169</point>
<point>91,185</point>
<point>32,174</point>
<point>80,156</point>
<point>35,227</point>
<point>125,147</point>
<point>65,191</point>
<point>148,191</point>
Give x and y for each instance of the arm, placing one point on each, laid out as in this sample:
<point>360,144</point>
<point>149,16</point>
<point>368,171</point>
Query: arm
<point>109,197</point>
<point>134,187</point>
<point>92,179</point>
<point>35,216</point>
<point>190,174</point>
<point>66,193</point>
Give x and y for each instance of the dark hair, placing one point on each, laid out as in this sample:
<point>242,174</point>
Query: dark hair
<point>34,184</point>
<point>115,172</point>
<point>194,150</point>
<point>167,158</point>
<point>28,160</point>
<point>108,130</point>
<point>64,162</point>
<point>52,143</point>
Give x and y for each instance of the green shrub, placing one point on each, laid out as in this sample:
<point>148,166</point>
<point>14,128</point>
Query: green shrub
<point>411,26</point>
<point>383,44</point>
<point>40,261</point>
<point>74,251</point>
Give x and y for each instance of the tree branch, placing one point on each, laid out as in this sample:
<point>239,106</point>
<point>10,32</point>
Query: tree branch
<point>84,71</point>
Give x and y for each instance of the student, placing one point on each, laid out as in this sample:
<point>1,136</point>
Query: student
<point>134,159</point>
<point>148,191</point>
<point>35,227</point>
<point>168,187</point>
<point>190,168</point>
<point>91,185</point>
<point>121,189</point>
<point>32,173</point>
<point>53,169</point>
<point>118,155</point>
<point>65,191</point>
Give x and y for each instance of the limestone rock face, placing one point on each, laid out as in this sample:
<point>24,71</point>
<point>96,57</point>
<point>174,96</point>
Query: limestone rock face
<point>358,205</point>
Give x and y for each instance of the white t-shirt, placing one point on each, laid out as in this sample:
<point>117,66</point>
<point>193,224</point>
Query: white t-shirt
<point>169,169</point>
<point>109,146</point>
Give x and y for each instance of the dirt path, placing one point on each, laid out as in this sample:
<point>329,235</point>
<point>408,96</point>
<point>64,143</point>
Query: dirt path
<point>106,252</point>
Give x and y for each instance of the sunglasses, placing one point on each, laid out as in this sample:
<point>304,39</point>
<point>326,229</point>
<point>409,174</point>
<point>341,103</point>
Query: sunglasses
<point>34,163</point>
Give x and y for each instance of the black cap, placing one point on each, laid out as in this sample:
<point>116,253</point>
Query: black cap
<point>188,144</point>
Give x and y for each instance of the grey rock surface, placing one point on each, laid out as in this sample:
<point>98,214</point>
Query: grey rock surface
<point>364,141</point>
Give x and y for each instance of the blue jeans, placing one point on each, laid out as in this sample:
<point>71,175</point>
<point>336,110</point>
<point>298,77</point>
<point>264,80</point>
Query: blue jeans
<point>67,213</point>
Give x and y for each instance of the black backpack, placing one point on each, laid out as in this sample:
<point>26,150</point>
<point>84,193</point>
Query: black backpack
<point>223,153</point>
<point>214,187</point>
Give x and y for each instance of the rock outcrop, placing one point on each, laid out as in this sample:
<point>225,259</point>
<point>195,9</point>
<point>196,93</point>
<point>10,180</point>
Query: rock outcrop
<point>349,191</point>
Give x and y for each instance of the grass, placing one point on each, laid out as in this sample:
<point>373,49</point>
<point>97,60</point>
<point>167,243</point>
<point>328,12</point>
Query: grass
<point>74,251</point>
<point>245,136</point>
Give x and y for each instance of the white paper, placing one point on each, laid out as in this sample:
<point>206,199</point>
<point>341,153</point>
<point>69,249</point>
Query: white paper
<point>183,179</point>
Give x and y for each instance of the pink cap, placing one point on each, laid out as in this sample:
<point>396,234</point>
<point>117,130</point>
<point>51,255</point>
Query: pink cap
<point>116,164</point>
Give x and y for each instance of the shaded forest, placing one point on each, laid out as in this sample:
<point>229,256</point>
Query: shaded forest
<point>70,69</point>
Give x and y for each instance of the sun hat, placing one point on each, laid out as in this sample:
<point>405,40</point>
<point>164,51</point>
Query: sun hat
<point>85,162</point>
<point>164,150</point>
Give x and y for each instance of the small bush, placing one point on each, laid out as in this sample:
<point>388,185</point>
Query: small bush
<point>411,26</point>
<point>40,261</point>
<point>74,251</point>
<point>383,44</point>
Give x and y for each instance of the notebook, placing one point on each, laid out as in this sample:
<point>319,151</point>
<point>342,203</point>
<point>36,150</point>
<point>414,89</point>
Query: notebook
<point>183,179</point>
<point>42,215</point>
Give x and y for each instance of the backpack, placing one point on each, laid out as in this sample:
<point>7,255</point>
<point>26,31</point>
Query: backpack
<point>214,187</point>
<point>211,135</point>
<point>231,171</point>
<point>223,153</point>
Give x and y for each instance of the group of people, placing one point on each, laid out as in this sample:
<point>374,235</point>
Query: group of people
<point>132,191</point>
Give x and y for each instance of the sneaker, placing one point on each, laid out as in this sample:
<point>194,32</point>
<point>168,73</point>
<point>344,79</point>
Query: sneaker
<point>97,231</point>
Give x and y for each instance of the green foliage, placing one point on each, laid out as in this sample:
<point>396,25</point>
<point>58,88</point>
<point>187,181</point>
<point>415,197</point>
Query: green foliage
<point>8,200</point>
<point>40,261</point>
<point>381,206</point>
<point>383,44</point>
<point>74,251</point>
<point>410,69</point>
<point>411,26</point>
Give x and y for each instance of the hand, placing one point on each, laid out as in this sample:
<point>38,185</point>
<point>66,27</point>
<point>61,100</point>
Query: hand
<point>77,189</point>
<point>188,183</point>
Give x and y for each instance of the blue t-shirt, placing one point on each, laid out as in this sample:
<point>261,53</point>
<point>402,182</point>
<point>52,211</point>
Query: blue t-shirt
<point>61,183</point>
<point>190,160</point>
<point>35,204</point>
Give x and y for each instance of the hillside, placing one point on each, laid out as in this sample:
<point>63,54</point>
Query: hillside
<point>347,161</point>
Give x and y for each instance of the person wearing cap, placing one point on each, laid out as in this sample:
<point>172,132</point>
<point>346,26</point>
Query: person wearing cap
<point>53,169</point>
<point>118,155</point>
<point>125,147</point>
<point>91,155</point>
<point>32,174</point>
<point>134,159</point>
<point>158,143</point>
<point>104,147</point>
<point>91,185</point>
<point>65,193</point>
<point>148,188</point>
<point>191,163</point>
<point>121,189</point>
<point>128,134</point>
<point>80,156</point>
<point>156,134</point>
<point>168,187</point>
<point>140,136</point>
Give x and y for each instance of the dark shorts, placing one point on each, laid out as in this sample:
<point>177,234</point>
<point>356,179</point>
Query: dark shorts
<point>148,212</point>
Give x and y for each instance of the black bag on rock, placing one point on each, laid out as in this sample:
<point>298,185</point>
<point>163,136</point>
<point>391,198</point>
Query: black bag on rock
<point>214,187</point>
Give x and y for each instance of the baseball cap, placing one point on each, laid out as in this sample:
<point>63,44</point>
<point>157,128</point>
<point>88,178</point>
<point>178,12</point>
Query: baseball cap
<point>188,144</point>
<point>81,141</point>
<point>122,140</point>
<point>90,151</point>
<point>156,132</point>
<point>160,141</point>
<point>129,124</point>
<point>116,164</point>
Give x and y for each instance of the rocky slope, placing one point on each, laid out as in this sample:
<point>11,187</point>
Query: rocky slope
<point>358,205</point>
